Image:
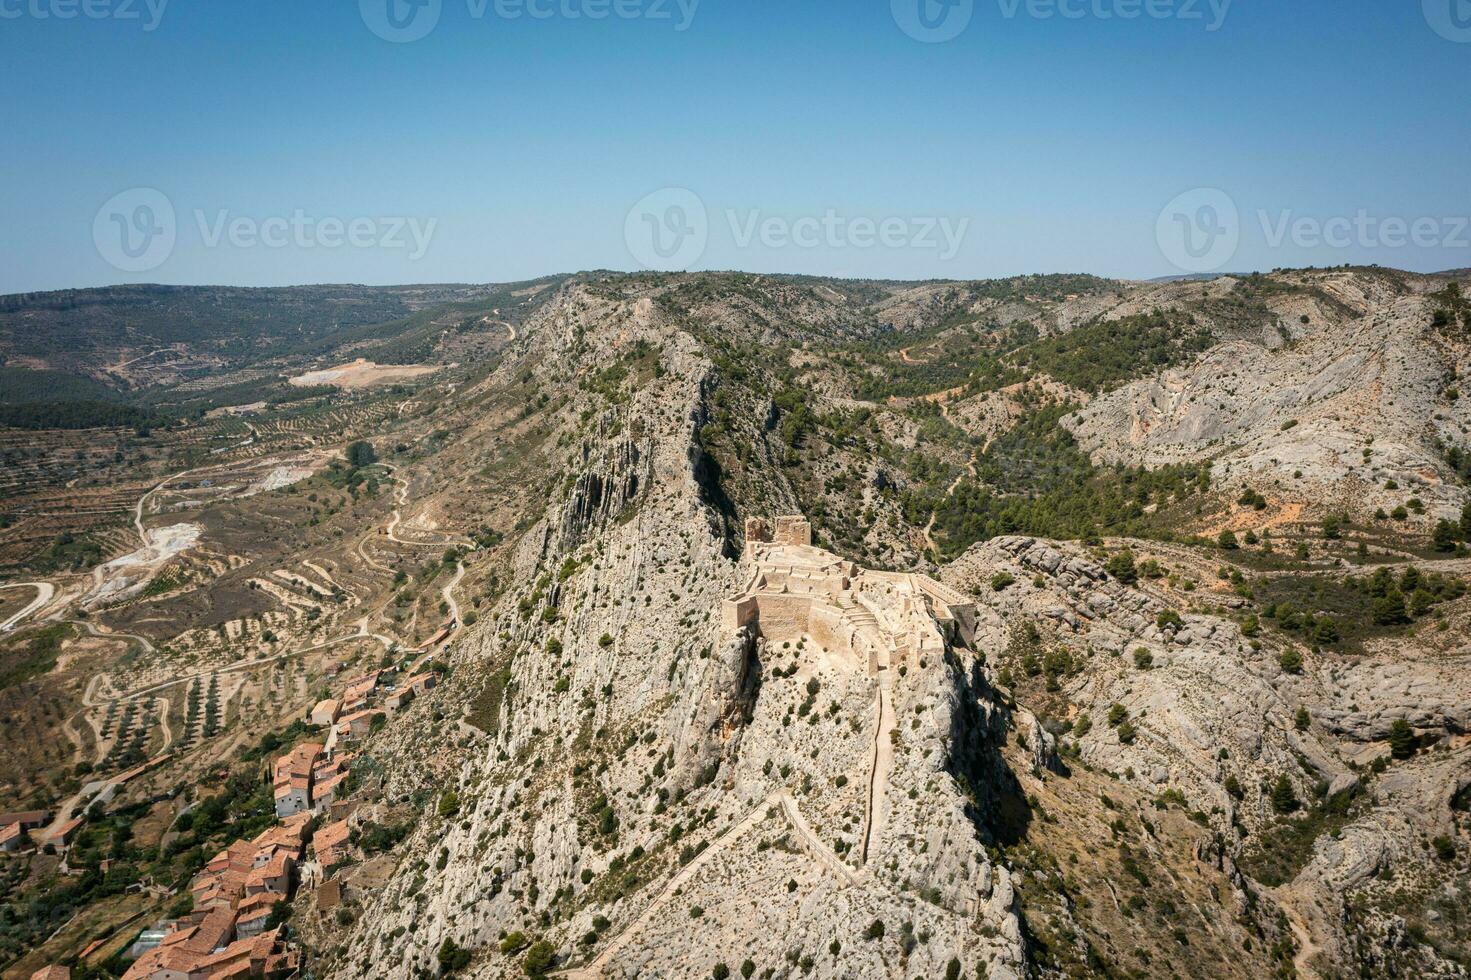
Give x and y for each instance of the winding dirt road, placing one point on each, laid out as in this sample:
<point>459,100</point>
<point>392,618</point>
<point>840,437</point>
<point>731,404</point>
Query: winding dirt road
<point>878,774</point>
<point>449,594</point>
<point>44,593</point>
<point>824,855</point>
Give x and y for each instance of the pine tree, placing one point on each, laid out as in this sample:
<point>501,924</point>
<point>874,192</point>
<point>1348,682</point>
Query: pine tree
<point>1402,741</point>
<point>1390,609</point>
<point>1284,800</point>
<point>1303,720</point>
<point>1444,538</point>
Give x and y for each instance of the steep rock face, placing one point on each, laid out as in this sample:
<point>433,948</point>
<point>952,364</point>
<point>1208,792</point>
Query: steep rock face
<point>1212,710</point>
<point>1342,403</point>
<point>1207,693</point>
<point>655,793</point>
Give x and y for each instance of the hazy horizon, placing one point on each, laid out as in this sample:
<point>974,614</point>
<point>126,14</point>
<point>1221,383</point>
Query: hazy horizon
<point>491,140</point>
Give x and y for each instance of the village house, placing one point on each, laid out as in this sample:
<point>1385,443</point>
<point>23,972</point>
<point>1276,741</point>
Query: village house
<point>326,791</point>
<point>273,876</point>
<point>222,882</point>
<point>52,973</point>
<point>288,837</point>
<point>15,828</point>
<point>441,636</point>
<point>358,724</point>
<point>62,836</point>
<point>360,692</point>
<point>325,714</point>
<point>255,911</point>
<point>421,683</point>
<point>331,843</point>
<point>13,839</point>
<point>293,779</point>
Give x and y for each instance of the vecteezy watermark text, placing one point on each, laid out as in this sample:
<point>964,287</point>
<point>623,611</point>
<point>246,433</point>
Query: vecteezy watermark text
<point>148,12</point>
<point>936,21</point>
<point>1364,230</point>
<point>1201,230</point>
<point>835,231</point>
<point>670,230</point>
<point>402,21</point>
<point>137,230</point>
<point>1210,12</point>
<point>301,230</point>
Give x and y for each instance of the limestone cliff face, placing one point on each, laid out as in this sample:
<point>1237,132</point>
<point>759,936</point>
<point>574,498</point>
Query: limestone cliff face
<point>659,790</point>
<point>1216,718</point>
<point>1326,406</point>
<point>678,738</point>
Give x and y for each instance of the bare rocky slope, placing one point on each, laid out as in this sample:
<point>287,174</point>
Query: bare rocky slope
<point>1044,627</point>
<point>620,778</point>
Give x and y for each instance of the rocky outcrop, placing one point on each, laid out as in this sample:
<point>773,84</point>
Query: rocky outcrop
<point>1334,399</point>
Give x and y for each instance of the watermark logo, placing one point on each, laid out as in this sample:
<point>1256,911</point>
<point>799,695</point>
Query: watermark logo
<point>149,13</point>
<point>1363,230</point>
<point>1451,19</point>
<point>933,21</point>
<point>667,230</point>
<point>936,21</point>
<point>401,21</point>
<point>671,229</point>
<point>1200,230</point>
<point>835,231</point>
<point>136,230</point>
<point>301,230</point>
<point>1212,13</point>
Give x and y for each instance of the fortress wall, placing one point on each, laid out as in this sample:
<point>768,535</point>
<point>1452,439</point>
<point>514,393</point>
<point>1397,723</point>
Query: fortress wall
<point>792,531</point>
<point>782,618</point>
<point>825,626</point>
<point>872,655</point>
<point>735,613</point>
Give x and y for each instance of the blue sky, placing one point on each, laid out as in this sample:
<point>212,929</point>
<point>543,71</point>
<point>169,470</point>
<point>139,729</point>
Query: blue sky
<point>516,147</point>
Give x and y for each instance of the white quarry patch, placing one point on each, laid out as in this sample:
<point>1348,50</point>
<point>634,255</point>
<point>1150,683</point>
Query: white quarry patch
<point>361,373</point>
<point>127,575</point>
<point>281,476</point>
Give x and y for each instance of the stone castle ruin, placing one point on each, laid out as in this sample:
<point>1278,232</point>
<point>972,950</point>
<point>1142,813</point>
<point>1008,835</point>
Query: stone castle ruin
<point>878,620</point>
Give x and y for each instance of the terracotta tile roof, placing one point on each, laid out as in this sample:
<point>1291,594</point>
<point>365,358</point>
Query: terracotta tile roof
<point>65,830</point>
<point>32,817</point>
<point>258,901</point>
<point>217,929</point>
<point>331,842</point>
<point>328,784</point>
<point>361,687</point>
